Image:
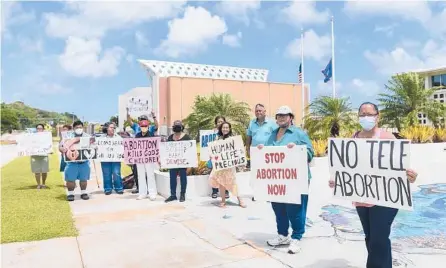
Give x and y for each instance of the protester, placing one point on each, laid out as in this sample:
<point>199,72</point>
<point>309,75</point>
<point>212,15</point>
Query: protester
<point>111,171</point>
<point>225,179</point>
<point>40,164</point>
<point>76,170</point>
<point>217,122</point>
<point>259,129</point>
<point>376,221</point>
<point>146,175</point>
<point>289,135</point>
<point>178,135</point>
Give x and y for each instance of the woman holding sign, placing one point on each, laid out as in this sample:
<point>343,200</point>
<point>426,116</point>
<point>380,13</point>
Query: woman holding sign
<point>217,122</point>
<point>178,135</point>
<point>225,179</point>
<point>376,220</point>
<point>40,164</point>
<point>111,171</point>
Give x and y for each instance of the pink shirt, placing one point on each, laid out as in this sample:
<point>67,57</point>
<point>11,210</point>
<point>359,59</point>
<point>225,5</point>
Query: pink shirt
<point>377,135</point>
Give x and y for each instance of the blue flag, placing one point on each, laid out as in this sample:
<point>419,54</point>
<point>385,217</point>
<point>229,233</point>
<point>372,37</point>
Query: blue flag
<point>327,72</point>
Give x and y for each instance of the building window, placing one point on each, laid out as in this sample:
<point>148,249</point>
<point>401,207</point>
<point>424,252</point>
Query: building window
<point>441,96</point>
<point>443,80</point>
<point>435,96</point>
<point>436,80</point>
<point>424,121</point>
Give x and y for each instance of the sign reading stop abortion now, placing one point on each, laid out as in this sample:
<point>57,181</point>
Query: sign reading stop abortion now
<point>227,153</point>
<point>371,171</point>
<point>279,174</point>
<point>141,150</point>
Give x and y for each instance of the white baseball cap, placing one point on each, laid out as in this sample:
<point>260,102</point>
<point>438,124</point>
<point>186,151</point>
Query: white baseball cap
<point>284,110</point>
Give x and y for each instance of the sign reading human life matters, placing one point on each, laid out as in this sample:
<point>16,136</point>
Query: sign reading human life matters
<point>279,174</point>
<point>142,150</point>
<point>110,149</point>
<point>206,136</point>
<point>178,154</point>
<point>227,153</point>
<point>371,171</point>
<point>39,143</point>
<point>139,105</point>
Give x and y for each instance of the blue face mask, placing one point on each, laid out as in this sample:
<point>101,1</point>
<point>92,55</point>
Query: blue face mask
<point>367,122</point>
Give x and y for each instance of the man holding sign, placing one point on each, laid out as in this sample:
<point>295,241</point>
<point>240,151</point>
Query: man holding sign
<point>289,135</point>
<point>385,188</point>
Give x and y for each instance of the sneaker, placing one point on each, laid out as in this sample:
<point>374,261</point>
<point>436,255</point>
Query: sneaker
<point>170,199</point>
<point>85,196</point>
<point>108,193</point>
<point>135,191</point>
<point>120,192</point>
<point>182,197</point>
<point>279,241</point>
<point>141,197</point>
<point>70,197</point>
<point>294,246</point>
<point>227,194</point>
<point>152,198</point>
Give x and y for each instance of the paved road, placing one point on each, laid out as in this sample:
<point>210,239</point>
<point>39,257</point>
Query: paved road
<point>8,153</point>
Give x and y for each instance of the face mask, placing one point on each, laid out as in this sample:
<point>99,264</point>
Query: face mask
<point>144,129</point>
<point>367,122</point>
<point>177,129</point>
<point>78,131</point>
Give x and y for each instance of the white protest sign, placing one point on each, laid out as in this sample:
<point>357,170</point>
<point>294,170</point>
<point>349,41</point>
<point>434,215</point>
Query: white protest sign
<point>371,171</point>
<point>38,143</point>
<point>109,149</point>
<point>139,105</point>
<point>178,154</point>
<point>279,174</point>
<point>227,153</point>
<point>206,136</point>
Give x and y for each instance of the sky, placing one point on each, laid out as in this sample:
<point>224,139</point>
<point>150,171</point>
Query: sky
<point>78,56</point>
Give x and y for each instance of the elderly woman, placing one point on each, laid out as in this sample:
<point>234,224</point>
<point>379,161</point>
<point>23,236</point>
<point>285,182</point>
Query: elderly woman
<point>111,171</point>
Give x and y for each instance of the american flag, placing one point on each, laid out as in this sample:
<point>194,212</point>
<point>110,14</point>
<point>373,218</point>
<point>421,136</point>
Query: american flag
<point>300,73</point>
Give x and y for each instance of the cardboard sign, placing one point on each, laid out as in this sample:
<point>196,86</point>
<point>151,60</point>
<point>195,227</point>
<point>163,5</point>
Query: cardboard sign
<point>39,143</point>
<point>371,171</point>
<point>142,150</point>
<point>178,154</point>
<point>138,105</point>
<point>279,174</point>
<point>206,136</point>
<point>110,149</point>
<point>79,149</point>
<point>227,153</point>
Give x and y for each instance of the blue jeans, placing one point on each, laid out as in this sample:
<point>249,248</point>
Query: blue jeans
<point>111,173</point>
<point>377,222</point>
<point>173,180</point>
<point>291,213</point>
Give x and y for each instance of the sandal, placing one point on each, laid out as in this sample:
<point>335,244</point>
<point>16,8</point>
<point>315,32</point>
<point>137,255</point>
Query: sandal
<point>222,204</point>
<point>242,204</point>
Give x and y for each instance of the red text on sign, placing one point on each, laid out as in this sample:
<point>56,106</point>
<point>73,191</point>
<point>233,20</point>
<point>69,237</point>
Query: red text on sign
<point>274,157</point>
<point>277,173</point>
<point>274,189</point>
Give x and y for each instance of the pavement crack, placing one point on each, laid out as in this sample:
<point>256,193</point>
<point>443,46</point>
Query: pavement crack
<point>80,252</point>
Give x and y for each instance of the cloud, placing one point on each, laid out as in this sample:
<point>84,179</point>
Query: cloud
<point>93,19</point>
<point>315,47</point>
<point>387,29</point>
<point>239,10</point>
<point>232,40</point>
<point>141,40</point>
<point>365,87</point>
<point>299,13</point>
<point>13,14</point>
<point>85,58</point>
<point>53,89</point>
<point>30,45</point>
<point>399,60</point>
<point>192,33</point>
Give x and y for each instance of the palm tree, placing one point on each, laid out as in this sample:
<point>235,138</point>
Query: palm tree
<point>329,117</point>
<point>406,98</point>
<point>205,110</point>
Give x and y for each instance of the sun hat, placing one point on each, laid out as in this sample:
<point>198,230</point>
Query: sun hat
<point>284,110</point>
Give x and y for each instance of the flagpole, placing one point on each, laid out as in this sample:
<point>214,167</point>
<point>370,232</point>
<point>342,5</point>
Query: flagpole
<point>302,86</point>
<point>333,57</point>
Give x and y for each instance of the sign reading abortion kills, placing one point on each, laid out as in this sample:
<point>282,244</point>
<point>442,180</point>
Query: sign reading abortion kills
<point>138,106</point>
<point>141,150</point>
<point>110,149</point>
<point>371,171</point>
<point>279,174</point>
<point>178,154</point>
<point>38,143</point>
<point>206,136</point>
<point>227,153</point>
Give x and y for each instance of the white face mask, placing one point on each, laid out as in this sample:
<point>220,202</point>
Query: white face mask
<point>78,131</point>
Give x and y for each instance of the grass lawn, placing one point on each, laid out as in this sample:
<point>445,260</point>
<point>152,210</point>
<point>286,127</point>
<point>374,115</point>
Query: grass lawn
<point>29,214</point>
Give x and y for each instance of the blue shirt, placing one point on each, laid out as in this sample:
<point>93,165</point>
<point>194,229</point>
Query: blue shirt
<point>293,135</point>
<point>136,129</point>
<point>260,133</point>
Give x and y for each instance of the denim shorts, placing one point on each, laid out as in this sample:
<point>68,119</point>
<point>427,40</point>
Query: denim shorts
<point>77,171</point>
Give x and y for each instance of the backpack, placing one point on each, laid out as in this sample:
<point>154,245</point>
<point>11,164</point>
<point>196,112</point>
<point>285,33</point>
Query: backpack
<point>128,181</point>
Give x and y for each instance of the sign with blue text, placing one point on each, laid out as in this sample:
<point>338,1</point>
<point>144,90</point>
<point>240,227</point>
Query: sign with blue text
<point>206,136</point>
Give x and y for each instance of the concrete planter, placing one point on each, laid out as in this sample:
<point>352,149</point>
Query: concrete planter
<point>244,184</point>
<point>197,186</point>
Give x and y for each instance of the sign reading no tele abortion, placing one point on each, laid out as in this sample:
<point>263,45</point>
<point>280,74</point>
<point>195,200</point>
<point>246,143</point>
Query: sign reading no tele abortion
<point>227,153</point>
<point>371,171</point>
<point>138,106</point>
<point>279,174</point>
<point>110,149</point>
<point>178,154</point>
<point>141,150</point>
<point>206,136</point>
